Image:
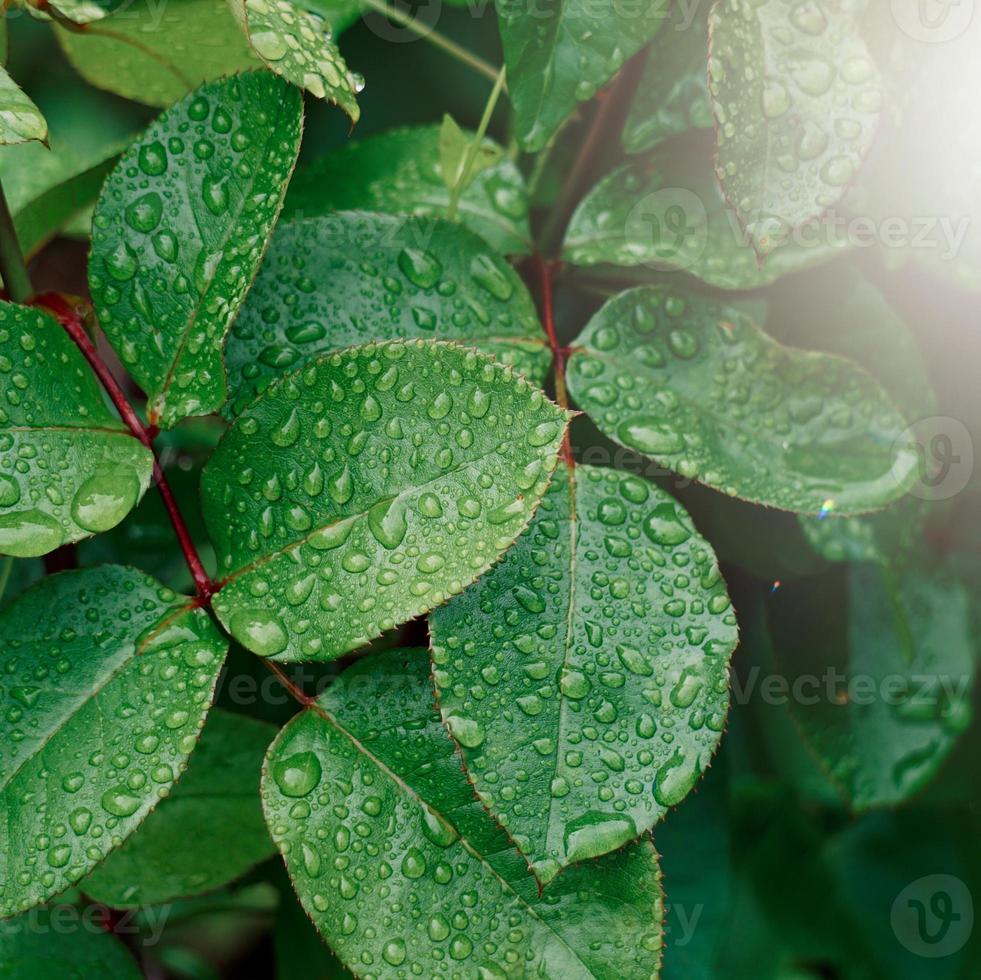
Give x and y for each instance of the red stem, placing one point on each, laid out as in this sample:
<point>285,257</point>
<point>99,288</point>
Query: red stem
<point>72,323</point>
<point>545,270</point>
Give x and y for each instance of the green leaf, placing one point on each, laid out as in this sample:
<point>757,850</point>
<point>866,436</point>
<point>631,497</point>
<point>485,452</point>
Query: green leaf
<point>696,385</point>
<point>893,693</point>
<point>108,679</point>
<point>68,467</point>
<point>20,118</point>
<point>301,953</point>
<point>156,53</point>
<point>559,672</point>
<point>369,487</point>
<point>180,230</point>
<point>38,946</point>
<point>665,213</point>
<point>73,11</point>
<point>796,98</point>
<point>297,45</point>
<point>560,55</point>
<point>389,277</point>
<point>399,172</point>
<point>400,867</point>
<point>454,145</point>
<point>672,97</point>
<point>184,847</point>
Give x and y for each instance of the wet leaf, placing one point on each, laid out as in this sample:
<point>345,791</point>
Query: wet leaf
<point>561,670</point>
<point>389,277</point>
<point>180,230</point>
<point>184,847</point>
<point>398,865</point>
<point>20,118</point>
<point>369,487</point>
<point>796,98</point>
<point>697,386</point>
<point>400,172</point>
<point>561,55</point>
<point>108,679</point>
<point>297,44</point>
<point>68,467</point>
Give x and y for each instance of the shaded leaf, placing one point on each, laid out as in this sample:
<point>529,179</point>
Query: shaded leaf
<point>185,847</point>
<point>560,55</point>
<point>399,172</point>
<point>156,53</point>
<point>109,678</point>
<point>696,385</point>
<point>796,98</point>
<point>389,277</point>
<point>73,11</point>
<point>180,230</point>
<point>428,883</point>
<point>888,694</point>
<point>297,45</point>
<point>301,953</point>
<point>68,467</point>
<point>454,145</point>
<point>559,672</point>
<point>369,487</point>
<point>20,118</point>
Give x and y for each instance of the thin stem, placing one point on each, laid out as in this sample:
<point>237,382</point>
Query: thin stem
<point>70,320</point>
<point>434,37</point>
<point>474,148</point>
<point>291,688</point>
<point>13,268</point>
<point>545,270</point>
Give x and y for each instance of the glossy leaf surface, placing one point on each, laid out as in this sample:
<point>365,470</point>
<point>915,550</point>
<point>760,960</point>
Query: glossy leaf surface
<point>369,487</point>
<point>180,230</point>
<point>560,673</point>
<point>696,385</point>
<point>388,277</point>
<point>109,679</point>
<point>403,871</point>
<point>68,467</point>
<point>20,118</point>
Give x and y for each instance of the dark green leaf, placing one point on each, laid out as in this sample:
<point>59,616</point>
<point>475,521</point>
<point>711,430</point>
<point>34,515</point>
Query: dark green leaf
<point>109,677</point>
<point>696,385</point>
<point>180,230</point>
<point>68,467</point>
<point>20,118</point>
<point>156,53</point>
<point>400,867</point>
<point>297,45</point>
<point>185,847</point>
<point>560,671</point>
<point>369,487</point>
<point>796,98</point>
<point>885,702</point>
<point>559,55</point>
<point>301,953</point>
<point>672,97</point>
<point>399,172</point>
<point>388,277</point>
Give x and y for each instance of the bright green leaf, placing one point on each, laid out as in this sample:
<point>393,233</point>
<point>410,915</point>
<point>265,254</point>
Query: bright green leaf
<point>399,866</point>
<point>893,693</point>
<point>559,672</point>
<point>156,53</point>
<point>560,55</point>
<point>796,98</point>
<point>369,487</point>
<point>672,97</point>
<point>696,385</point>
<point>399,172</point>
<point>184,847</point>
<point>297,45</point>
<point>68,467</point>
<point>180,230</point>
<point>388,277</point>
<point>73,11</point>
<point>109,677</point>
<point>665,213</point>
<point>20,118</point>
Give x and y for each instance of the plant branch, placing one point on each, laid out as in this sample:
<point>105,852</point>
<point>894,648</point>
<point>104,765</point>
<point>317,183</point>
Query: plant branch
<point>545,269</point>
<point>13,268</point>
<point>72,323</point>
<point>434,37</point>
<point>292,689</point>
<point>475,144</point>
